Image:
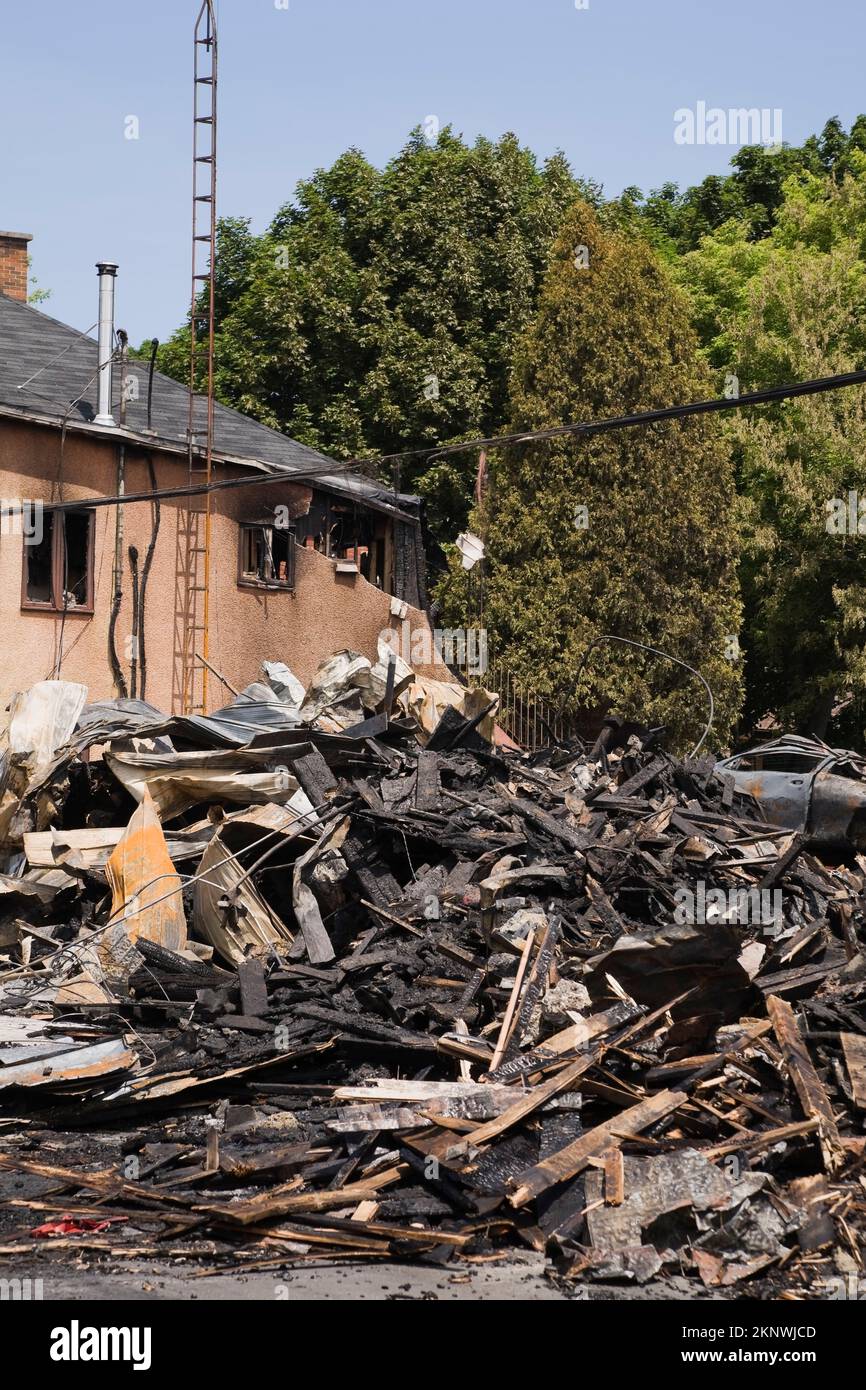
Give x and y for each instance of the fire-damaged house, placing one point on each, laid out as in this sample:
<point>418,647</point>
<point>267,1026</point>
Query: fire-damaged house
<point>304,557</point>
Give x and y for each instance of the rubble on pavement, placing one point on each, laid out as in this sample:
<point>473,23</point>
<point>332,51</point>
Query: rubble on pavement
<point>329,974</point>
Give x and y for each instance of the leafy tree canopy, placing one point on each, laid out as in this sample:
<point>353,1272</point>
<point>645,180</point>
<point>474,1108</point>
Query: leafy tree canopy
<point>675,220</point>
<point>378,311</point>
<point>789,308</point>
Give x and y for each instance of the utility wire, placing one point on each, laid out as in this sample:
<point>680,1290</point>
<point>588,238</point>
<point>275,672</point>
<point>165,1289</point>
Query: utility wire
<point>330,469</point>
<point>655,651</point>
<point>51,361</point>
<point>647,417</point>
<point>303,475</point>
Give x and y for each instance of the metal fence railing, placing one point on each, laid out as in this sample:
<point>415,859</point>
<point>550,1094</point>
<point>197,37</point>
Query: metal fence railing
<point>527,717</point>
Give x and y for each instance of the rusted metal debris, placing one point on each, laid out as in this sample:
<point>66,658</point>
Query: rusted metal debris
<point>424,999</point>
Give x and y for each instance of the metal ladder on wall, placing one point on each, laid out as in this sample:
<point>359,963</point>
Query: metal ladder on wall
<point>193,569</point>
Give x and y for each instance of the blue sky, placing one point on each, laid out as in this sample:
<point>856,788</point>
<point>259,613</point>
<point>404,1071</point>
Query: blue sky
<point>301,84</point>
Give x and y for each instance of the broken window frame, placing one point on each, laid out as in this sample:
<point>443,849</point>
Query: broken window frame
<point>367,540</point>
<point>248,579</point>
<point>58,573</point>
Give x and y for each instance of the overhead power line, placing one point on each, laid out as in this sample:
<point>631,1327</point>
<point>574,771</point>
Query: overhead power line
<point>305,475</point>
<point>814,387</point>
<point>646,417</point>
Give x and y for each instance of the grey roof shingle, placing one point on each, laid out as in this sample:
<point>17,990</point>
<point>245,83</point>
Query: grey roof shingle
<point>49,369</point>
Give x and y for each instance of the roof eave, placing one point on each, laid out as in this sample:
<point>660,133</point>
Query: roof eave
<point>123,435</point>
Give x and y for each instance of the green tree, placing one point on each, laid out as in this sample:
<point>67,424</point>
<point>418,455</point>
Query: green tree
<point>629,532</point>
<point>36,295</point>
<point>675,221</point>
<point>378,312</point>
<point>794,308</point>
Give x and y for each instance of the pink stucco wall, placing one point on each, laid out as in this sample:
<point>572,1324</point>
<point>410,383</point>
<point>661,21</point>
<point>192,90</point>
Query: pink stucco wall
<point>326,612</point>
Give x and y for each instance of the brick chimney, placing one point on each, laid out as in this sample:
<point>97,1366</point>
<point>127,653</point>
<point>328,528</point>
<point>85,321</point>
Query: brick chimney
<point>13,264</point>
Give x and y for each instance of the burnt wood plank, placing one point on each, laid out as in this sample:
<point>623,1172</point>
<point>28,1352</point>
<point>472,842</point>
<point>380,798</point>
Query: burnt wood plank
<point>254,991</point>
<point>854,1048</point>
<point>571,1160</point>
<point>807,1083</point>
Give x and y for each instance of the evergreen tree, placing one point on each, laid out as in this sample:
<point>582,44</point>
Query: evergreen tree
<point>630,532</point>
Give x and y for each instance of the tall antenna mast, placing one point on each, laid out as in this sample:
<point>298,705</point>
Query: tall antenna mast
<point>192,586</point>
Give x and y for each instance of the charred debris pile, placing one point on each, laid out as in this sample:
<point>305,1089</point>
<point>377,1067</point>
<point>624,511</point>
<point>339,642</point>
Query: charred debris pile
<point>332,975</point>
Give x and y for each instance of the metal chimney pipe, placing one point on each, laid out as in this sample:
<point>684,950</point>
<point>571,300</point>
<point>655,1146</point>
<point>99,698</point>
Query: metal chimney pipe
<point>106,270</point>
